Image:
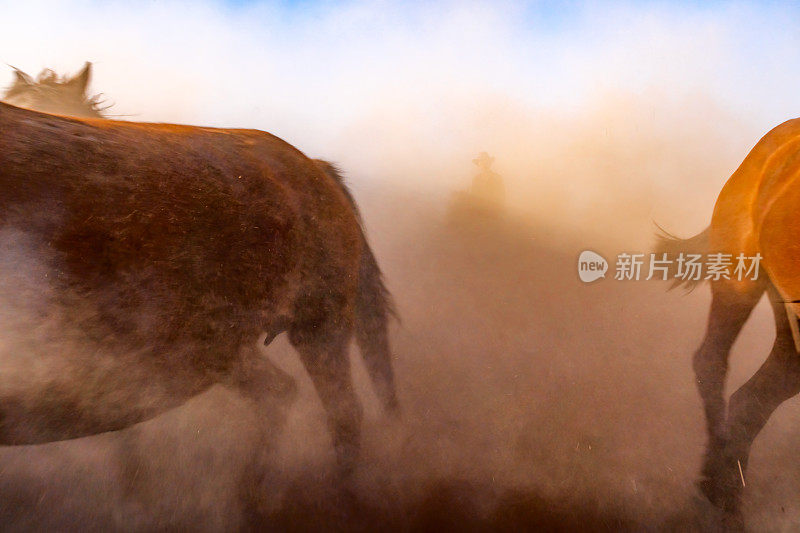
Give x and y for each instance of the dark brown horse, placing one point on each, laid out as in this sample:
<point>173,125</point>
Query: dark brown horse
<point>755,214</point>
<point>181,246</point>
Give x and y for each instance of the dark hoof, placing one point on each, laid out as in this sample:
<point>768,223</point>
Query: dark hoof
<point>701,515</point>
<point>733,521</point>
<point>726,499</point>
<point>711,491</point>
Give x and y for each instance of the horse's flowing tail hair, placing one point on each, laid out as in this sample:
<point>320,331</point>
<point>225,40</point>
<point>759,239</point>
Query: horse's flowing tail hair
<point>672,246</point>
<point>374,308</point>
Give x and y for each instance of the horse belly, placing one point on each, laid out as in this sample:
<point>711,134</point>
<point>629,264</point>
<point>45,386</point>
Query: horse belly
<point>65,397</point>
<point>62,374</point>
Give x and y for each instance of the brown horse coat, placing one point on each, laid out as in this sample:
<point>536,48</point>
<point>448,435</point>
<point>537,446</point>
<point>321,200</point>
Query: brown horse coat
<point>185,244</point>
<point>755,205</point>
<point>756,213</point>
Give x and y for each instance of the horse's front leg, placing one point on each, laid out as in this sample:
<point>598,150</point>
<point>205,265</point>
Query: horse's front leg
<point>729,311</point>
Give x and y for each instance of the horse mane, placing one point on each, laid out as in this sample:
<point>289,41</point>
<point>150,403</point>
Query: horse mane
<point>49,83</point>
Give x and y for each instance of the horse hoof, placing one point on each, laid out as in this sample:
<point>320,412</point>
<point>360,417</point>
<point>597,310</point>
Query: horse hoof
<point>711,491</point>
<point>726,501</point>
<point>733,521</point>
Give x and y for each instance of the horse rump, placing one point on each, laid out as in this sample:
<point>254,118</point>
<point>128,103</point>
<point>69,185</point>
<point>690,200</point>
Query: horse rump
<point>374,309</point>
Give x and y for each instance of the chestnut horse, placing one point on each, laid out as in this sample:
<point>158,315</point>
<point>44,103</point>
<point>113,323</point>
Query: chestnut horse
<point>184,245</point>
<point>756,213</point>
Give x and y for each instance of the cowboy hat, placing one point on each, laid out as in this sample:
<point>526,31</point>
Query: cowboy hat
<point>483,159</point>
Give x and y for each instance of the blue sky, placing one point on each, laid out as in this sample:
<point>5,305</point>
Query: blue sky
<point>541,53</point>
<point>241,60</point>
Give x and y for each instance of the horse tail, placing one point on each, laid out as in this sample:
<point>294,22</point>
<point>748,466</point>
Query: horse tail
<point>672,246</point>
<point>374,308</point>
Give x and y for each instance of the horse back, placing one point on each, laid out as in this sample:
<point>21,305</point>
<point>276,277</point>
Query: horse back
<point>750,191</point>
<point>176,232</point>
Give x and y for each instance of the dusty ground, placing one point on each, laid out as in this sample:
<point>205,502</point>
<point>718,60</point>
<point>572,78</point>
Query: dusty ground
<point>530,400</point>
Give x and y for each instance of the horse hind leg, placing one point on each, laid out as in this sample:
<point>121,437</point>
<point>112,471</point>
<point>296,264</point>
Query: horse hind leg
<point>270,393</point>
<point>751,405</point>
<point>259,379</point>
<point>323,349</point>
<point>730,309</point>
<point>269,390</point>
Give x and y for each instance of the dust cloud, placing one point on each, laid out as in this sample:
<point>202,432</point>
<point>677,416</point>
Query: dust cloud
<point>530,400</point>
